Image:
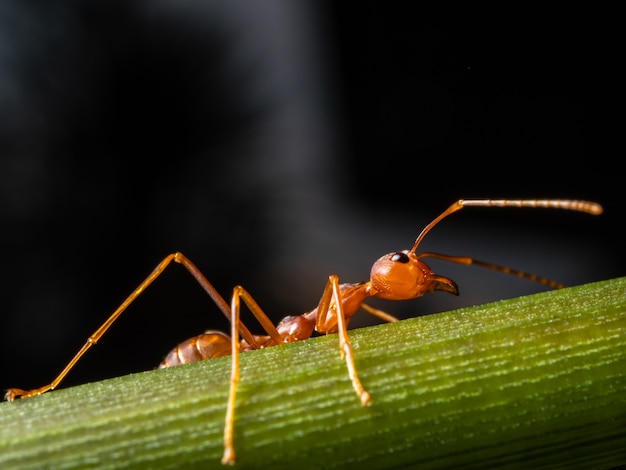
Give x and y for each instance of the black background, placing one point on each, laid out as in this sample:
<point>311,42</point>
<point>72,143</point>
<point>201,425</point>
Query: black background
<point>275,145</point>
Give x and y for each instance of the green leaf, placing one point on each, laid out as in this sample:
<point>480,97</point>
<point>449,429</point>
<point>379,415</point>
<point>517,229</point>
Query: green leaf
<point>538,381</point>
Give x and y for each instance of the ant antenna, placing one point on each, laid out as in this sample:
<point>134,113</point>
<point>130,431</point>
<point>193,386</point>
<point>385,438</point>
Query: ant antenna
<point>580,206</point>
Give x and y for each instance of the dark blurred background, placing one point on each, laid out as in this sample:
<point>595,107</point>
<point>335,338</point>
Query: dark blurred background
<point>275,143</point>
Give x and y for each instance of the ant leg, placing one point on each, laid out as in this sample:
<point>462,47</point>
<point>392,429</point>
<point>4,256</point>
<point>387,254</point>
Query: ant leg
<point>177,257</point>
<point>229,449</point>
<point>258,313</point>
<point>332,292</point>
<point>467,261</point>
<point>239,293</point>
<point>212,292</point>
<point>379,313</point>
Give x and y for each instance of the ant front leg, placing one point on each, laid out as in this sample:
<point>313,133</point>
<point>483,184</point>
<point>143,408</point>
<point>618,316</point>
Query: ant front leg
<point>332,304</point>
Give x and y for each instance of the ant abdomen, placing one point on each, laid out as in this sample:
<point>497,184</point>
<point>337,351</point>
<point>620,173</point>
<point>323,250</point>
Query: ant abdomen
<point>209,345</point>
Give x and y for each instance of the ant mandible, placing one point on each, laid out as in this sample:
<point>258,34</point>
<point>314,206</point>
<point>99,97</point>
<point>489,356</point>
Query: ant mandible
<point>400,275</point>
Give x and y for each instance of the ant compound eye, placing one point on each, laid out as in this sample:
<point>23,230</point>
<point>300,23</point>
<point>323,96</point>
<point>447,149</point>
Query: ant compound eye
<point>400,257</point>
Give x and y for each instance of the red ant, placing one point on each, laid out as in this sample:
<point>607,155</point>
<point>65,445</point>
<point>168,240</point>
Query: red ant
<point>395,276</point>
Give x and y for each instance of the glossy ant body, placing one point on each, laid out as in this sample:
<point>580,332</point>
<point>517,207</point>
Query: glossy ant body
<point>399,275</point>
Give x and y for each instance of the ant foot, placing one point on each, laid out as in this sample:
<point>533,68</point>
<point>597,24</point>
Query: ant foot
<point>229,456</point>
<point>13,393</point>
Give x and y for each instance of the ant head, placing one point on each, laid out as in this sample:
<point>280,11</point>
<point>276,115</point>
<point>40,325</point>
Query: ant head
<point>402,276</point>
